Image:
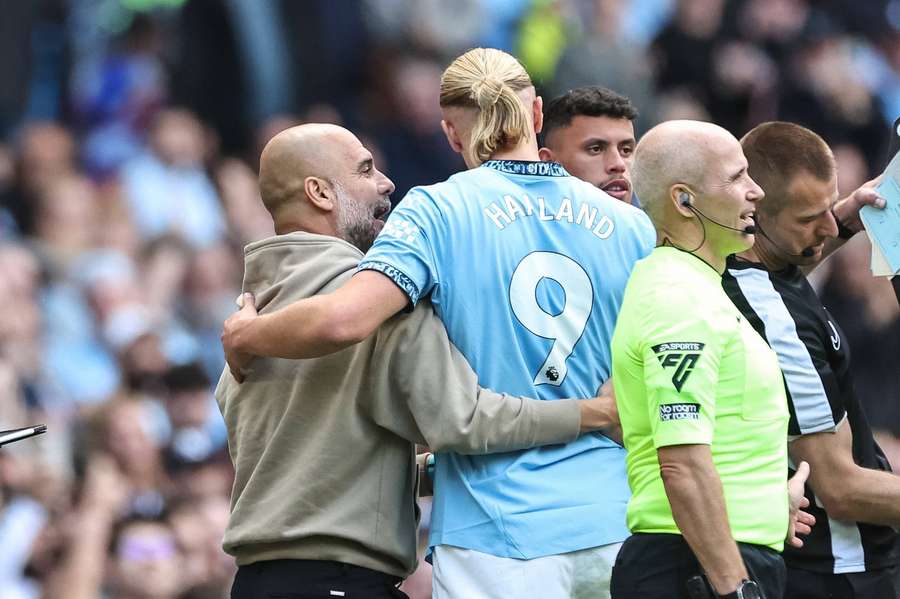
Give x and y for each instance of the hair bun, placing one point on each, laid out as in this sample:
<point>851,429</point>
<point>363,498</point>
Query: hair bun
<point>486,91</point>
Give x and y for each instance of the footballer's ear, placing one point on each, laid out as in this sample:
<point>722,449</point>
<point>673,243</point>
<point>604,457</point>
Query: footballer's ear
<point>537,109</point>
<point>452,136</point>
<point>546,155</point>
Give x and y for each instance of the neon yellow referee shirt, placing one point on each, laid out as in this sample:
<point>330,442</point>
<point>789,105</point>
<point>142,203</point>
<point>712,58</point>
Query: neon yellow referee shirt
<point>689,369</point>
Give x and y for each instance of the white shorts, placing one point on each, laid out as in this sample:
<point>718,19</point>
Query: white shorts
<point>468,574</point>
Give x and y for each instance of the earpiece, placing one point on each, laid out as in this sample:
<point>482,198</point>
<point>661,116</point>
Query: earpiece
<point>685,198</point>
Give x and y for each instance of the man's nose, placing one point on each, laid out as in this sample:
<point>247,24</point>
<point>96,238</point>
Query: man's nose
<point>615,164</point>
<point>756,192</point>
<point>385,185</point>
<point>829,228</point>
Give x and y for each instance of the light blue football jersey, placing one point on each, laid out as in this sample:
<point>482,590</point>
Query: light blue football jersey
<point>526,266</point>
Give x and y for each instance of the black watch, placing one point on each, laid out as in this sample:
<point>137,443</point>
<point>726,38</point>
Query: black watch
<point>747,590</point>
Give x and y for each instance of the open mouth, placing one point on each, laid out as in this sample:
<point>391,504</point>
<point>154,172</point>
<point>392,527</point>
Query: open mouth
<point>381,211</point>
<point>749,218</point>
<point>618,188</point>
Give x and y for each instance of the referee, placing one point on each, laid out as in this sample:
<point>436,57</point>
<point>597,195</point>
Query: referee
<point>853,549</point>
<point>700,396</point>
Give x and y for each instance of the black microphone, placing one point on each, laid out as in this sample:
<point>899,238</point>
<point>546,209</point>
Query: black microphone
<point>686,202</point>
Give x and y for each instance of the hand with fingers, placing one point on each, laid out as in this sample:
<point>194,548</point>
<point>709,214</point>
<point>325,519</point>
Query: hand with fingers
<point>601,414</point>
<point>801,522</point>
<point>846,211</point>
<point>232,330</point>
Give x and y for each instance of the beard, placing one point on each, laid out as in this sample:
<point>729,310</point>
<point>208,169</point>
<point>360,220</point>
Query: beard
<point>354,221</point>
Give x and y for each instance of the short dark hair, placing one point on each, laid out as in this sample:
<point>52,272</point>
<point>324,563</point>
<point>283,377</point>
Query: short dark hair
<point>589,100</point>
<point>777,152</point>
<point>186,378</point>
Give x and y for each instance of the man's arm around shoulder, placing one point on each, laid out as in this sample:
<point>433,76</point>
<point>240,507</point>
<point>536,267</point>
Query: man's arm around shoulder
<point>424,389</point>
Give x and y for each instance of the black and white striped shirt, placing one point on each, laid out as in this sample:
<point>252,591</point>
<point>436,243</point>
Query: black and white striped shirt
<point>785,310</point>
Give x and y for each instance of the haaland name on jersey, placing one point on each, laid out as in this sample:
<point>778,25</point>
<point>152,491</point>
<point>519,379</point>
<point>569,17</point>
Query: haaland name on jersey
<point>505,212</point>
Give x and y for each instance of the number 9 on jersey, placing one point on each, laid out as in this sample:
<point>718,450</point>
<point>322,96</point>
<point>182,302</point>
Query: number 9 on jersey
<point>564,328</point>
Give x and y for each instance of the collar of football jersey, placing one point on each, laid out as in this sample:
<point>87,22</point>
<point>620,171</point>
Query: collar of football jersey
<point>527,167</point>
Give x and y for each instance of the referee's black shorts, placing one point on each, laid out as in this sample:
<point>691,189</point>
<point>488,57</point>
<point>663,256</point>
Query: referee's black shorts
<point>312,579</point>
<point>658,566</point>
<point>878,584</point>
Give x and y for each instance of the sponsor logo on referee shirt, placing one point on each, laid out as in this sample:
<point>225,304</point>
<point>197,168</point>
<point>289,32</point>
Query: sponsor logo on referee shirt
<point>680,355</point>
<point>679,411</point>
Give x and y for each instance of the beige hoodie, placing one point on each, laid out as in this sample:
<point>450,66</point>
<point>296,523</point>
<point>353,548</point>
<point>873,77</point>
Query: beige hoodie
<point>323,448</point>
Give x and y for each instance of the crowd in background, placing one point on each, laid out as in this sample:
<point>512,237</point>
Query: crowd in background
<point>129,136</point>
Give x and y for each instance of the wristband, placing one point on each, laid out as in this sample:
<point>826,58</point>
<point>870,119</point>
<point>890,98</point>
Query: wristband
<point>844,232</point>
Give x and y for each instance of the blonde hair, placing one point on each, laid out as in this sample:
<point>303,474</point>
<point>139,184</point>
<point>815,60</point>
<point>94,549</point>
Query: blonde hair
<point>488,80</point>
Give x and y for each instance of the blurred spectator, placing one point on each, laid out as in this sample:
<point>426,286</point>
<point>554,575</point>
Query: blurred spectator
<point>213,284</point>
<point>116,98</point>
<point>116,230</point>
<point>867,311</point>
<point>45,152</point>
<point>411,138</point>
<point>239,189</point>
<point>423,24</point>
<point>541,39</point>
<point>197,428</point>
<point>198,525</point>
<point>822,92</point>
<point>163,272</point>
<point>683,50</point>
<point>20,327</point>
<point>123,429</point>
<point>66,219</point>
<point>167,188</point>
<point>200,478</point>
<point>74,557</point>
<point>33,497</point>
<point>604,54</point>
<point>146,563</point>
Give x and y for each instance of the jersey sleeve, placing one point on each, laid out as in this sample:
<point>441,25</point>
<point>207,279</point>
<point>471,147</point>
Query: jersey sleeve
<point>791,325</point>
<point>681,350</point>
<point>404,251</point>
<point>815,391</point>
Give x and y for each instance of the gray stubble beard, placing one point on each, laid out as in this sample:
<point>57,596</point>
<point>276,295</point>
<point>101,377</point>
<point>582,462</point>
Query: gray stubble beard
<point>354,220</point>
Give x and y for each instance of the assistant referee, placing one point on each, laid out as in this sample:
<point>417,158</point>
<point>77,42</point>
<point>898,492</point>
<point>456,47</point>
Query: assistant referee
<point>854,550</point>
<point>700,394</point>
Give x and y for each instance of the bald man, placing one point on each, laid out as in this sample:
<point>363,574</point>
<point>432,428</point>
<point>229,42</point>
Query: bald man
<point>700,393</point>
<point>323,502</point>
